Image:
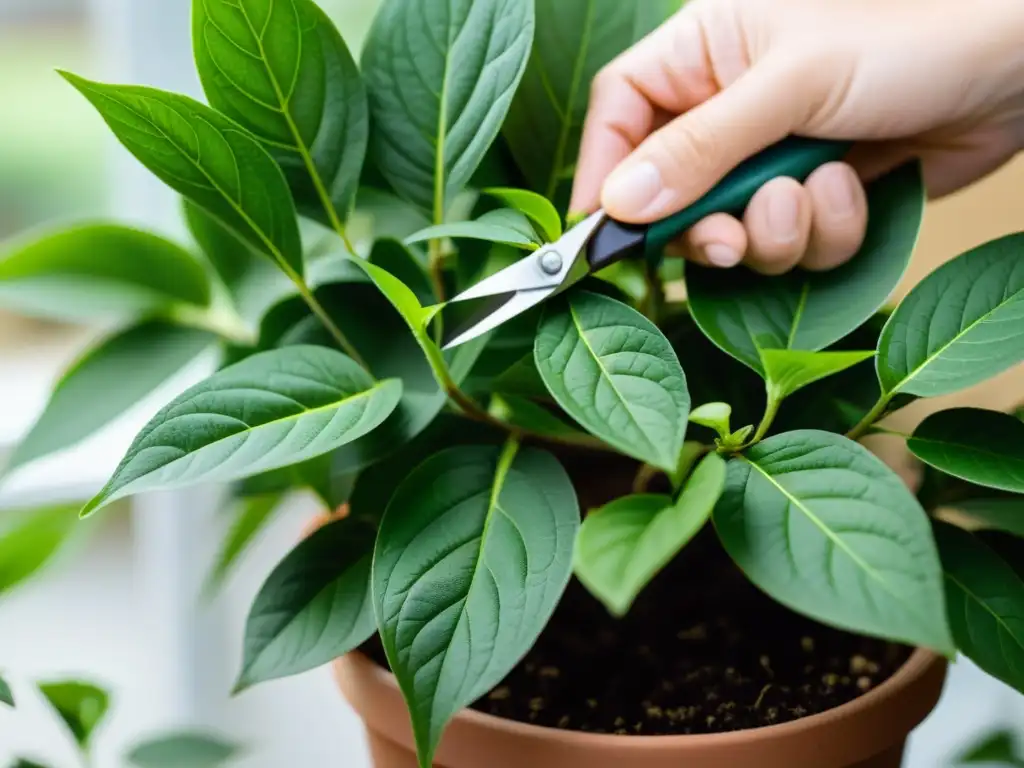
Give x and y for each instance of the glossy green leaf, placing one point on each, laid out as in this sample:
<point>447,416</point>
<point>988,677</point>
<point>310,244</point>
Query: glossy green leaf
<point>525,414</point>
<point>825,528</point>
<point>981,446</point>
<point>282,70</point>
<point>229,255</point>
<point>440,78</point>
<point>714,416</point>
<point>574,41</point>
<point>402,264</point>
<point>789,370</point>
<point>998,748</point>
<point>615,373</point>
<point>537,207</point>
<point>473,554</point>
<point>271,410</point>
<point>521,378</point>
<point>6,697</point>
<point>623,545</point>
<point>962,324</point>
<point>1001,514</point>
<point>100,386</point>
<point>501,226</point>
<point>745,313</point>
<point>98,270</point>
<point>185,750</point>
<point>251,515</point>
<point>314,607</point>
<point>208,159</point>
<point>985,594</point>
<point>81,706</point>
<point>29,544</point>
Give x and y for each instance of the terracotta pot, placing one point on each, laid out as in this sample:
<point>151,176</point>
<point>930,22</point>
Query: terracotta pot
<point>868,732</point>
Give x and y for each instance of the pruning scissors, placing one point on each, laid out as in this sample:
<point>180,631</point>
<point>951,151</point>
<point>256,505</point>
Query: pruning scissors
<point>599,241</point>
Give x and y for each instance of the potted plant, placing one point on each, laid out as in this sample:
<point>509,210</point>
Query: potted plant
<point>753,586</point>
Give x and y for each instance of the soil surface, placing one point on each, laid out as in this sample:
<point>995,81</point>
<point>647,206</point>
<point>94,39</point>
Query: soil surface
<point>702,651</point>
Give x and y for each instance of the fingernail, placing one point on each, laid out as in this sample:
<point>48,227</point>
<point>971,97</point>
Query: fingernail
<point>841,195</point>
<point>722,255</point>
<point>632,190</point>
<point>783,215</point>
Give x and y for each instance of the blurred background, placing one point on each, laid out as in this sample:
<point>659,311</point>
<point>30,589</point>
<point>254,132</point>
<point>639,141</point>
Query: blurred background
<point>120,606</point>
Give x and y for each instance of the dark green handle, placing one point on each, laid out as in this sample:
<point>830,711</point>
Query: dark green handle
<point>795,157</point>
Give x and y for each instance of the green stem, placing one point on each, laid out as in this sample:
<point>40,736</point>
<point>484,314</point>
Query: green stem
<point>220,321</point>
<point>436,263</point>
<point>770,412</point>
<point>655,303</point>
<point>643,478</point>
<point>877,410</point>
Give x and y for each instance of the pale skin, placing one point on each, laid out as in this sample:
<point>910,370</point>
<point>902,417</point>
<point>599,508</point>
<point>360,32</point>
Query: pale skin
<point>940,80</point>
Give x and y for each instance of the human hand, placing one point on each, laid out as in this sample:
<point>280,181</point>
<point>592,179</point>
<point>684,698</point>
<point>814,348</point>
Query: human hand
<point>941,80</point>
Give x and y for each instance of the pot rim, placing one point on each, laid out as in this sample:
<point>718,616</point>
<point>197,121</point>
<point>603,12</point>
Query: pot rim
<point>921,663</point>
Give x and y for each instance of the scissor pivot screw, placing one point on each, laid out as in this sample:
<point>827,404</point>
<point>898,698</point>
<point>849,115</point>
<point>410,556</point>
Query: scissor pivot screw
<point>551,262</point>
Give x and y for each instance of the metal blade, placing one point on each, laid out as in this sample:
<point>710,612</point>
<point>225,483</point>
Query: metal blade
<point>497,313</point>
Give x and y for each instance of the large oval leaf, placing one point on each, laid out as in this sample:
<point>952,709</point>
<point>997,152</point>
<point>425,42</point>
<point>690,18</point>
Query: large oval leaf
<point>743,312</point>
<point>827,529</point>
<point>614,372</point>
<point>473,553</point>
<point>623,545</point>
<point>962,324</point>
<point>980,446</point>
<point>314,607</point>
<point>575,38</point>
<point>440,78</point>
<point>282,70</point>
<point>96,270</point>
<point>985,592</point>
<point>271,410</point>
<point>208,159</point>
<point>107,380</point>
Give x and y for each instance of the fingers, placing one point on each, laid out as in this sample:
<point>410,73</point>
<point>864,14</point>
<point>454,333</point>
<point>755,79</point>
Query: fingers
<point>778,220</point>
<point>840,216</point>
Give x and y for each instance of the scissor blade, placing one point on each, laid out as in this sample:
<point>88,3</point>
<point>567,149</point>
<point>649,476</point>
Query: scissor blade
<point>497,313</point>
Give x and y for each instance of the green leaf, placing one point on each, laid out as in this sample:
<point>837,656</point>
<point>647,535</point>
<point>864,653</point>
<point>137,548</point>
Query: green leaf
<point>981,446</point>
<point>186,750</point>
<point>208,159</point>
<point>997,747</point>
<point>540,210</point>
<point>788,370</point>
<point>745,313</point>
<point>100,386</point>
<point>525,414</point>
<point>6,697</point>
<point>1001,514</point>
<point>314,607</point>
<point>960,325</point>
<point>99,270</point>
<point>714,416</point>
<point>400,263</point>
<point>440,78</point>
<point>271,410</point>
<point>473,554</point>
<point>692,450</point>
<point>614,372</point>
<point>282,70</point>
<point>81,706</point>
<point>828,530</point>
<point>574,41</point>
<point>521,378</point>
<point>623,545</point>
<point>501,226</point>
<point>251,515</point>
<point>232,259</point>
<point>22,762</point>
<point>985,595</point>
<point>32,542</point>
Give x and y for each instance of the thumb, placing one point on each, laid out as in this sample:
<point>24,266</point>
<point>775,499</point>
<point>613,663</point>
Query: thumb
<point>678,163</point>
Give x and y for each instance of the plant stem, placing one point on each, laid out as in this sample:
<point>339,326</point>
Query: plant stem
<point>436,265</point>
<point>643,477</point>
<point>655,300</point>
<point>770,412</point>
<point>220,321</point>
<point>870,417</point>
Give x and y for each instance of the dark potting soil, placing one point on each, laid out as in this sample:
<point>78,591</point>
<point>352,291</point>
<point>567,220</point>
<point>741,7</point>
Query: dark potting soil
<point>702,651</point>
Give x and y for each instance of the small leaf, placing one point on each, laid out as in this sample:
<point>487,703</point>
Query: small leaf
<point>6,697</point>
<point>251,516</point>
<point>828,530</point>
<point>960,325</point>
<point>1001,514</point>
<point>99,270</point>
<point>614,372</point>
<point>282,70</point>
<point>997,747</point>
<point>28,545</point>
<point>623,545</point>
<point>501,226</point>
<point>314,607</point>
<point>440,78</point>
<point>745,313</point>
<point>538,208</point>
<point>271,410</point>
<point>119,372</point>
<point>207,158</point>
<point>985,594</point>
<point>979,446</point>
<point>787,370</point>
<point>522,413</point>
<point>81,706</point>
<point>714,416</point>
<point>473,554</point>
<point>186,750</point>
